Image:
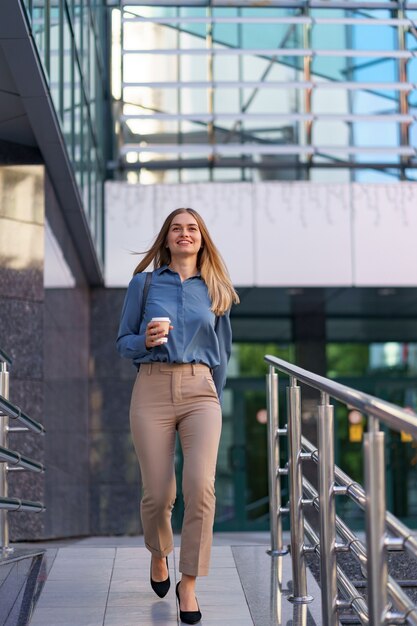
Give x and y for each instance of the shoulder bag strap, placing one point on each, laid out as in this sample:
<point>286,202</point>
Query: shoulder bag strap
<point>145,293</point>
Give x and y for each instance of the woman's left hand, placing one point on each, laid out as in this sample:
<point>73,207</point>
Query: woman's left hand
<point>154,334</point>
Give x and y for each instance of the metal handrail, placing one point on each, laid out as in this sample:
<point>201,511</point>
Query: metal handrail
<point>332,481</point>
<point>18,460</point>
<point>358,550</point>
<point>16,504</point>
<point>394,416</point>
<point>14,412</point>
<point>357,493</point>
<point>11,460</point>
<point>4,358</point>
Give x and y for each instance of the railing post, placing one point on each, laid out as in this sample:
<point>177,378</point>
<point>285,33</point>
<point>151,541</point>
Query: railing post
<point>274,478</point>
<point>375,511</point>
<point>326,483</point>
<point>4,423</point>
<point>296,494</point>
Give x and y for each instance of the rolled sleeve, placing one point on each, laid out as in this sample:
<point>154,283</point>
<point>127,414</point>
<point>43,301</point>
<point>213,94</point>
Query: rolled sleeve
<point>130,342</point>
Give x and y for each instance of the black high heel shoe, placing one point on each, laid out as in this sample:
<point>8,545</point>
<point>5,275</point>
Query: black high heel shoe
<point>188,617</point>
<point>161,588</point>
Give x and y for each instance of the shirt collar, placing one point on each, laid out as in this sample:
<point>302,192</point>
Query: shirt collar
<point>165,268</point>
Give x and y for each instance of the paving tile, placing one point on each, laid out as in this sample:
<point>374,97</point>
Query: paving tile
<point>143,599</point>
<point>68,617</point>
<point>76,591</point>
<point>131,573</point>
<point>67,574</point>
<point>90,560</point>
<point>220,621</point>
<point>80,583</point>
<point>127,584</point>
<point>160,612</point>
<point>226,611</point>
<point>95,599</point>
<point>97,553</point>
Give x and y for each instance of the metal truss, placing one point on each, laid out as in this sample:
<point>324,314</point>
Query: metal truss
<point>221,149</point>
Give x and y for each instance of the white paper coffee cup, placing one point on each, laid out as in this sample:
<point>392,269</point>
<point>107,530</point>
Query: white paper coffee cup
<point>164,322</point>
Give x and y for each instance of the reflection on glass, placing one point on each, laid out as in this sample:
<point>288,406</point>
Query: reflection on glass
<point>70,36</point>
<point>278,84</point>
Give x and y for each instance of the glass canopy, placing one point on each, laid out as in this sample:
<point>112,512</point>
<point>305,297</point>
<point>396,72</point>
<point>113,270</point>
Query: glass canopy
<point>294,90</point>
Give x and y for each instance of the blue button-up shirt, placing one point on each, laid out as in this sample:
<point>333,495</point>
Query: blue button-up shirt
<point>197,337</point>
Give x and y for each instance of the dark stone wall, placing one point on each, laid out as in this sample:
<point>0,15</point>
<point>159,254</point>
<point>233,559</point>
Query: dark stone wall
<point>45,328</point>
<point>66,361</point>
<point>21,323</point>
<point>114,488</point>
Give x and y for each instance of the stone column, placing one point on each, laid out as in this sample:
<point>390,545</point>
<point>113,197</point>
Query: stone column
<point>309,336</point>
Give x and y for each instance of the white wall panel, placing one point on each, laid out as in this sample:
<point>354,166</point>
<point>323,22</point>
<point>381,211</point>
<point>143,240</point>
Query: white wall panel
<point>277,234</point>
<point>302,234</point>
<point>130,227</point>
<point>135,214</point>
<point>385,234</point>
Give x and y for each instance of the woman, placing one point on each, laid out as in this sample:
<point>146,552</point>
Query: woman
<point>178,388</point>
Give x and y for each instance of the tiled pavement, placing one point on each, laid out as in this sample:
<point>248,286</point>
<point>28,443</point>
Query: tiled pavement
<point>108,585</point>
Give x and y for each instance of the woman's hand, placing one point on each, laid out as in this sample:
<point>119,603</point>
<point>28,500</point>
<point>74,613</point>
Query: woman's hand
<point>154,333</point>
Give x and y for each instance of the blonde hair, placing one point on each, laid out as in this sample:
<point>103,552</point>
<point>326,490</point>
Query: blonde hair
<point>209,262</point>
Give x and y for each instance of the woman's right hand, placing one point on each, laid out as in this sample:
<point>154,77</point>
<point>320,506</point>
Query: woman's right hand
<point>154,334</point>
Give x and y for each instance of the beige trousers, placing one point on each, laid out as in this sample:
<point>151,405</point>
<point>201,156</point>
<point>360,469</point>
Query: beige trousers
<point>169,397</point>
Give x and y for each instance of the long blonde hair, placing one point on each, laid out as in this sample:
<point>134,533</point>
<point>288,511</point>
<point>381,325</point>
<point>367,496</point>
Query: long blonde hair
<point>209,262</point>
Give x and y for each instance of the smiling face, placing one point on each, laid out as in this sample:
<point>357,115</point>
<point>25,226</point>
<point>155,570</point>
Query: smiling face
<point>184,236</point>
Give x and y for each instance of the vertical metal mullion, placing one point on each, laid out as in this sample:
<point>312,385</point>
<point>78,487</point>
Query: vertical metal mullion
<point>80,53</point>
<point>403,95</point>
<point>179,93</point>
<point>240,66</point>
<point>350,96</point>
<point>210,93</point>
<point>61,59</point>
<point>307,61</point>
<point>72,96</point>
<point>120,138</point>
<point>47,30</point>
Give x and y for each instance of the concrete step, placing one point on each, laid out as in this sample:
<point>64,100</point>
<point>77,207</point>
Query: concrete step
<point>22,574</point>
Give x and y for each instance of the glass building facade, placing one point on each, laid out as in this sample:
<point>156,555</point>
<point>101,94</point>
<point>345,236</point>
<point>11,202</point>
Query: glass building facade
<point>319,91</point>
<point>71,40</point>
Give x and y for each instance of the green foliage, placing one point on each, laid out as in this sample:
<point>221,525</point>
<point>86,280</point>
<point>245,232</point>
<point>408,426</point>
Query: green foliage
<point>347,359</point>
<point>251,357</point>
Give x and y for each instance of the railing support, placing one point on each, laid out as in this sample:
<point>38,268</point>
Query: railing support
<point>4,424</point>
<point>375,511</point>
<point>296,494</point>
<point>377,611</point>
<point>274,476</point>
<point>328,571</point>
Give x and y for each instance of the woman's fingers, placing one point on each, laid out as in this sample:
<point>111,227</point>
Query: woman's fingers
<point>154,334</point>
